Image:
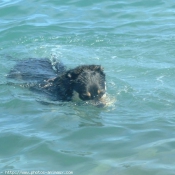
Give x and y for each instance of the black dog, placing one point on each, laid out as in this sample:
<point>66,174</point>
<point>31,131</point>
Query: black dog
<point>53,79</point>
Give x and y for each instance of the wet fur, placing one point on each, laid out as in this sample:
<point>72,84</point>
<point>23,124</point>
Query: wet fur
<point>57,82</point>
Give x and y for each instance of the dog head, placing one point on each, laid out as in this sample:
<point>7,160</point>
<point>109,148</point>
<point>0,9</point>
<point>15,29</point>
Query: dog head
<point>88,81</point>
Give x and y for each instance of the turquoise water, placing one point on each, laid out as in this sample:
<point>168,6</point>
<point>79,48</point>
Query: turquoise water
<point>134,42</point>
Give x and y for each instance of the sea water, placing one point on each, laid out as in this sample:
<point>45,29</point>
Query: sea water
<point>134,42</point>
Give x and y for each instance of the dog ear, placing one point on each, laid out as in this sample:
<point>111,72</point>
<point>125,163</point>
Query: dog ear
<point>72,75</point>
<point>97,68</point>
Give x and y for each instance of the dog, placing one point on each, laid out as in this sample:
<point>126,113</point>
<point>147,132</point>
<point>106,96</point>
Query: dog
<point>57,82</point>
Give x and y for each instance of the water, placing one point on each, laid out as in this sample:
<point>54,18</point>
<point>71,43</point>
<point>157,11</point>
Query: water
<point>134,41</point>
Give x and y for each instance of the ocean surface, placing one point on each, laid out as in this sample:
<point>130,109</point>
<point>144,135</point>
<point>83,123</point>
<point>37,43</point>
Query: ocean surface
<point>135,43</point>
